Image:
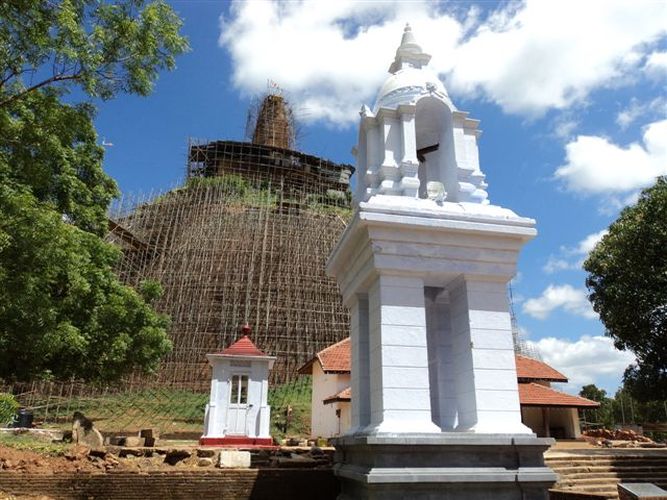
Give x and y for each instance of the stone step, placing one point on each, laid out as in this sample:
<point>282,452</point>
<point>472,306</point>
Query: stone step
<point>659,476</point>
<point>611,470</point>
<point>610,490</point>
<point>595,480</point>
<point>650,465</point>
<point>600,474</point>
<point>605,460</point>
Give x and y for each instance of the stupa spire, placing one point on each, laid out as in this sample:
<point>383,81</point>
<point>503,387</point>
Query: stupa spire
<point>409,53</point>
<point>273,126</point>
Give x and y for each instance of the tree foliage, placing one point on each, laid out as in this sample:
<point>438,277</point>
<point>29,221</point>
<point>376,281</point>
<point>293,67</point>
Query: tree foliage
<point>104,47</point>
<point>627,282</point>
<point>63,312</point>
<point>622,408</point>
<point>604,413</point>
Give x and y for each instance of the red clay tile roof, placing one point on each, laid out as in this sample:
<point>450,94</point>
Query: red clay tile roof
<point>334,359</point>
<point>242,347</point>
<point>532,394</point>
<point>533,369</point>
<point>344,395</point>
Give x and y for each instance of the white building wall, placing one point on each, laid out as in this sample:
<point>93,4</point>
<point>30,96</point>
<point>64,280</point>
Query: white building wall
<point>324,422</point>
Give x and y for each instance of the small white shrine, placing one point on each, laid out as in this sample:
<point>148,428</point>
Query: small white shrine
<point>238,413</point>
<point>423,268</point>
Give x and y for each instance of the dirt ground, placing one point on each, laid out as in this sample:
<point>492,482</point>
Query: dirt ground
<point>79,459</point>
<point>82,459</point>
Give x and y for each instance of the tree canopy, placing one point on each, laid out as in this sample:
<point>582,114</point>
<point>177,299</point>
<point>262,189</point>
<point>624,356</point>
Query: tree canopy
<point>627,282</point>
<point>63,311</point>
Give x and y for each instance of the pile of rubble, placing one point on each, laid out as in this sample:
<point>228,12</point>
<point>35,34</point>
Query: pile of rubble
<point>620,438</point>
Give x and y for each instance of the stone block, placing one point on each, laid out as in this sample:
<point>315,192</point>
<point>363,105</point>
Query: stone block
<point>403,315</point>
<point>407,377</point>
<point>117,440</point>
<point>134,441</point>
<point>206,452</point>
<point>404,356</point>
<point>500,380</point>
<point>641,491</point>
<point>234,459</point>
<point>174,456</point>
<point>403,335</point>
<point>150,436</point>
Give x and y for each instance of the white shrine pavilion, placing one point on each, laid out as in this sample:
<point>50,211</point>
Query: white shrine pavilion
<point>238,413</point>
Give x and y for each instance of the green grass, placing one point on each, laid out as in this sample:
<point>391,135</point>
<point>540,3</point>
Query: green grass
<point>296,394</point>
<point>175,411</point>
<point>30,443</point>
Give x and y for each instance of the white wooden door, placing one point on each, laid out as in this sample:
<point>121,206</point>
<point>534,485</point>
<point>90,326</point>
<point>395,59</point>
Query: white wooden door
<point>238,406</point>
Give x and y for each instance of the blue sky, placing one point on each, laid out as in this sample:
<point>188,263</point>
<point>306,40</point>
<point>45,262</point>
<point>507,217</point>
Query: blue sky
<point>571,98</point>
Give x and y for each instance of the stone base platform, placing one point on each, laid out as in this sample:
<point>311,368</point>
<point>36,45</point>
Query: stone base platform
<point>241,442</point>
<point>443,466</point>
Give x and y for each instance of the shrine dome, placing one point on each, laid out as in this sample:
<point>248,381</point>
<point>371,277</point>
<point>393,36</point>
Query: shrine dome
<point>410,79</point>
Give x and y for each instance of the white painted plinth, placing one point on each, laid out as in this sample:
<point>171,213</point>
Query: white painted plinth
<point>431,335</point>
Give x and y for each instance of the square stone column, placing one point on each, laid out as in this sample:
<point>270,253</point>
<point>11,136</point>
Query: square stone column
<point>483,349</point>
<point>399,379</point>
<point>359,376</point>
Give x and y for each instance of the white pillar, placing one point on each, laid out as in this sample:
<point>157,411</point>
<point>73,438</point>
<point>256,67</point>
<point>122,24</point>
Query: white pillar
<point>485,372</point>
<point>441,360</point>
<point>389,172</point>
<point>359,377</point>
<point>373,148</point>
<point>399,379</point>
<point>409,162</point>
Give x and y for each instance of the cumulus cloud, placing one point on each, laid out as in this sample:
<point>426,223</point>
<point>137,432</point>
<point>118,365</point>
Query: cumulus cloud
<point>656,64</point>
<point>588,243</point>
<point>555,264</point>
<point>566,297</point>
<point>333,56</point>
<point>573,257</point>
<point>637,109</point>
<point>588,360</point>
<point>594,165</point>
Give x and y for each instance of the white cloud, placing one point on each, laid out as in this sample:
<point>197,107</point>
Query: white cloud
<point>573,258</point>
<point>637,109</point>
<point>588,360</point>
<point>594,165</point>
<point>332,56</point>
<point>565,127</point>
<point>656,64</point>
<point>566,297</point>
<point>588,243</point>
<point>555,264</point>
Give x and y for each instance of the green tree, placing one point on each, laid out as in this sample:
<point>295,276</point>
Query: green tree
<point>603,414</point>
<point>627,282</point>
<point>63,311</point>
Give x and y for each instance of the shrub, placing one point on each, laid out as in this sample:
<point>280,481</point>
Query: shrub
<point>8,407</point>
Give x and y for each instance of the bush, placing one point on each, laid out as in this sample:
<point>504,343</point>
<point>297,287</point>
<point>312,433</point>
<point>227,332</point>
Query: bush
<point>8,407</point>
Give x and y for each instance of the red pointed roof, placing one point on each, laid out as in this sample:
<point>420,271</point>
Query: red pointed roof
<point>532,394</point>
<point>242,347</point>
<point>534,369</point>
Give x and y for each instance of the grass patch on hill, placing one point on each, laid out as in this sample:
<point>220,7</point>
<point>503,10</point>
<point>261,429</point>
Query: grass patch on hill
<point>173,410</point>
<point>30,443</point>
